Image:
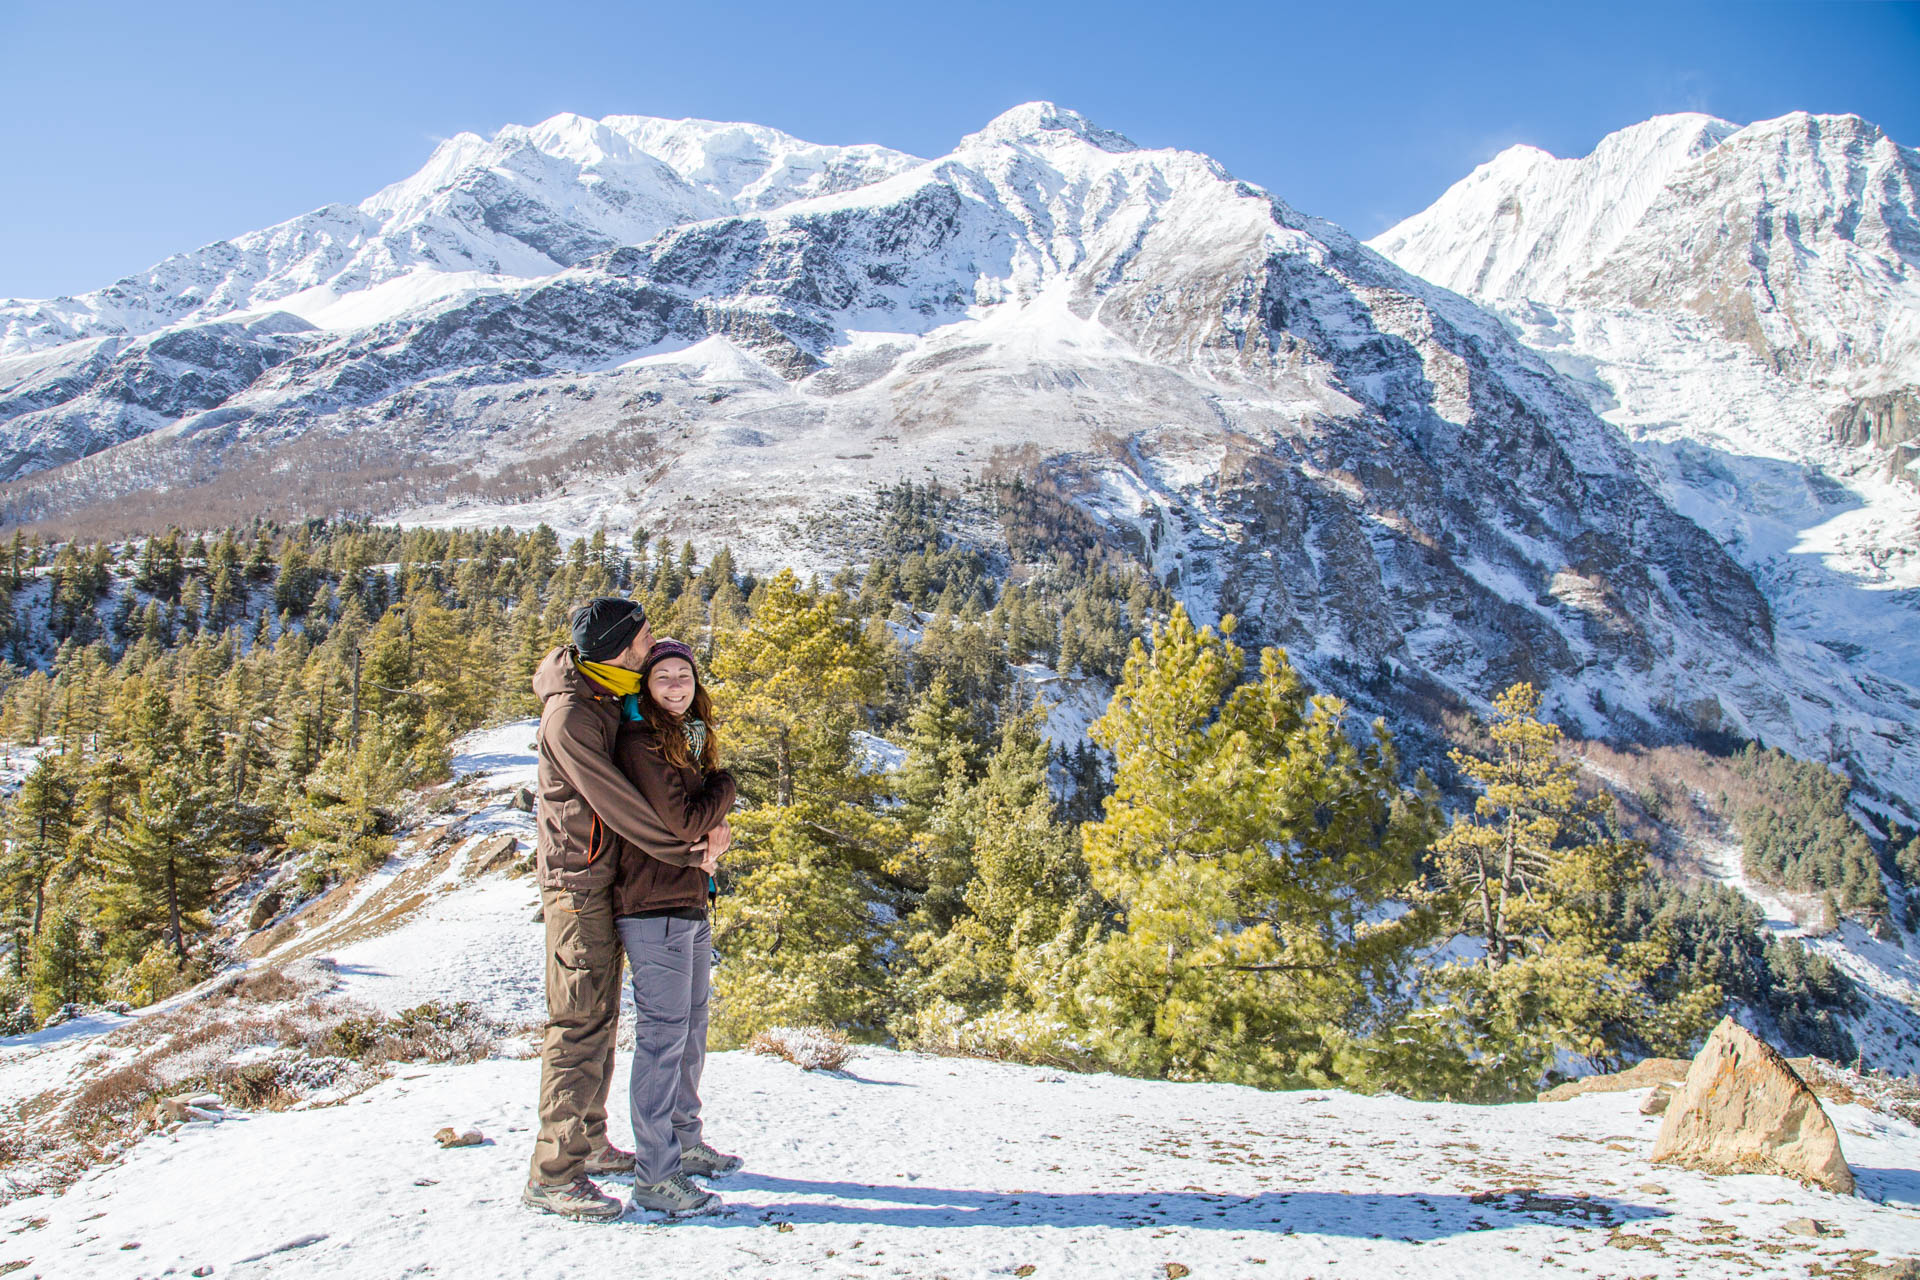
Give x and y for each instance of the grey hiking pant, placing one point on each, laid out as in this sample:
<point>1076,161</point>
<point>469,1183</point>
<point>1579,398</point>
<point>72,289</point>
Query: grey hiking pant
<point>583,1016</point>
<point>672,963</point>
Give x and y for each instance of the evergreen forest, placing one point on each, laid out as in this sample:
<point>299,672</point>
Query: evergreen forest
<point>1236,879</point>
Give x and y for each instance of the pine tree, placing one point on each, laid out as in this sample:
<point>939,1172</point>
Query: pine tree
<point>807,867</point>
<point>165,855</point>
<point>1252,848</point>
<point>940,747</point>
<point>998,941</point>
<point>1535,873</point>
<point>39,828</point>
<point>66,964</point>
<point>797,681</point>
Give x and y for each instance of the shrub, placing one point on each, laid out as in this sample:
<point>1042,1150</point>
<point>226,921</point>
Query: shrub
<point>157,974</point>
<point>258,1086</point>
<point>114,1097</point>
<point>809,1048</point>
<point>1004,1035</point>
<point>432,1032</point>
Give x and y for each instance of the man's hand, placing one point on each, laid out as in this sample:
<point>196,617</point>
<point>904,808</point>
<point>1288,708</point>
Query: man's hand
<point>718,840</point>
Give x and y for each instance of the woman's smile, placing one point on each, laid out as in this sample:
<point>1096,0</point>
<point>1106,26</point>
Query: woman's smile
<point>671,684</point>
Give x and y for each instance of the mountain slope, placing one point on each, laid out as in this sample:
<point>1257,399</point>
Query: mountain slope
<point>1364,467</point>
<point>1744,303</point>
<point>902,1161</point>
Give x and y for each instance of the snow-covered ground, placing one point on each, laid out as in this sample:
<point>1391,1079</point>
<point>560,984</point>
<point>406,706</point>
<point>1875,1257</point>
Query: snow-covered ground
<point>413,935</point>
<point>905,1165</point>
<point>902,1164</point>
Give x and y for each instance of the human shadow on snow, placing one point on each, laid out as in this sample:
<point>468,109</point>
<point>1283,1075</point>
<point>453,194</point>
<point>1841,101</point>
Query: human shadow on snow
<point>1889,1186</point>
<point>1404,1216</point>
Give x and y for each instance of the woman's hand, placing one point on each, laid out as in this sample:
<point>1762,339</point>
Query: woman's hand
<point>717,841</point>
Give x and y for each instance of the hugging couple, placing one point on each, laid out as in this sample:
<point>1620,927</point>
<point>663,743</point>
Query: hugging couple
<point>631,816</point>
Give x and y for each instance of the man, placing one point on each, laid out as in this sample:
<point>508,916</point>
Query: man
<point>586,806</point>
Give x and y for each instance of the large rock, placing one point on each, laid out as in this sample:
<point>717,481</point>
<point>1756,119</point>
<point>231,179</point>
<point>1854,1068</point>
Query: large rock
<point>265,908</point>
<point>495,854</point>
<point>1744,1110</point>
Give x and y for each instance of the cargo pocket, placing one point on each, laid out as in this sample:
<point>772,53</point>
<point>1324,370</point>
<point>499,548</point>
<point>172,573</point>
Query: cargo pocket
<point>570,973</point>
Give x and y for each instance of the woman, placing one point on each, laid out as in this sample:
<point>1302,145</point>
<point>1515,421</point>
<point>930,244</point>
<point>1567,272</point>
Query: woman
<point>669,748</point>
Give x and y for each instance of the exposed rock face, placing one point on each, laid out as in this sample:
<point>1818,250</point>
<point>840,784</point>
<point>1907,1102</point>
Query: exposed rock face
<point>1890,422</point>
<point>494,853</point>
<point>1743,1110</point>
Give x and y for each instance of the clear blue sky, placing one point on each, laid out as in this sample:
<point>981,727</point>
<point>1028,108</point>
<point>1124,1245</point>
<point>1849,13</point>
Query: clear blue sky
<point>131,131</point>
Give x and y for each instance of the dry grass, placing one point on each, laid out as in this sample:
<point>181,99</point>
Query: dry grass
<point>809,1048</point>
<point>114,1098</point>
<point>191,1050</point>
<point>426,1033</point>
<point>1672,798</point>
<point>1876,1090</point>
<point>268,986</point>
<point>260,1041</point>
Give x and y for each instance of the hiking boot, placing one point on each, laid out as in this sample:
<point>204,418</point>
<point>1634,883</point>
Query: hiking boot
<point>676,1196</point>
<point>609,1159</point>
<point>702,1161</point>
<point>576,1199</point>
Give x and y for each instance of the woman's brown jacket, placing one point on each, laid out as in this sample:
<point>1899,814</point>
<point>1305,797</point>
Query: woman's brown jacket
<point>688,803</point>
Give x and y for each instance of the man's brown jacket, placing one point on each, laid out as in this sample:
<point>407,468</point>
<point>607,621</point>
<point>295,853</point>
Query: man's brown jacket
<point>587,806</point>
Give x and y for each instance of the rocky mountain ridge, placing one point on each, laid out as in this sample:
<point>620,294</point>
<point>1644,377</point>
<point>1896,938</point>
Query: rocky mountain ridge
<point>523,204</point>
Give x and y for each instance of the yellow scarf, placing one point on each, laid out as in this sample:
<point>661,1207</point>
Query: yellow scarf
<point>617,680</point>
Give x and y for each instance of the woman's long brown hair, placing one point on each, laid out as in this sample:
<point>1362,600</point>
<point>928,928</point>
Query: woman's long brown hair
<point>673,739</point>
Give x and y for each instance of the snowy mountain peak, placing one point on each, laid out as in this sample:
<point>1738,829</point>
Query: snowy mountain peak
<point>527,202</point>
<point>1530,224</point>
<point>754,167</point>
<point>1794,238</point>
<point>1040,123</point>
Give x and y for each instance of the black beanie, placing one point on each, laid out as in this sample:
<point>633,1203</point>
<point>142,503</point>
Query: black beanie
<point>604,626</point>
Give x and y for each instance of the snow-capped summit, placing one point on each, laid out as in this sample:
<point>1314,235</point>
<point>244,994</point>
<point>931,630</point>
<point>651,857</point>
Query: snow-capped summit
<point>1528,224</point>
<point>482,212</point>
<point>1040,122</point>
<point>1798,238</point>
<point>753,168</point>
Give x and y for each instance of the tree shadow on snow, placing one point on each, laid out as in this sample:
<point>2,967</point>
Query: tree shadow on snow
<point>492,762</point>
<point>1404,1216</point>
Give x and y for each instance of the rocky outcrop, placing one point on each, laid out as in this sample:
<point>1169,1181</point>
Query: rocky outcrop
<point>265,908</point>
<point>495,853</point>
<point>1647,1073</point>
<point>1744,1110</point>
<point>1890,422</point>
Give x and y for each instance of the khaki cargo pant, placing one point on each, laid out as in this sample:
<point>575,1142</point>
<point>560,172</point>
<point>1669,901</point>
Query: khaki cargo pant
<point>584,959</point>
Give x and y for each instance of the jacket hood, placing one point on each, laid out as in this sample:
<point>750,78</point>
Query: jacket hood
<point>557,674</point>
